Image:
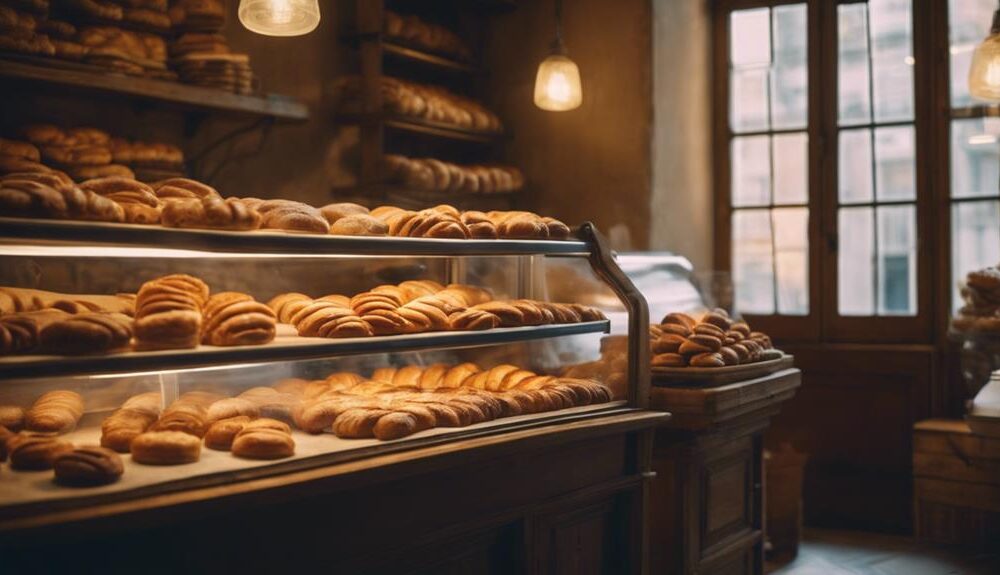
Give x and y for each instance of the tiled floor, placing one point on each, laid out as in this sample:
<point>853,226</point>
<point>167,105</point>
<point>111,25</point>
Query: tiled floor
<point>852,553</point>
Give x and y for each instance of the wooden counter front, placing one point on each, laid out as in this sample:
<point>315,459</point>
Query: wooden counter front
<point>706,507</point>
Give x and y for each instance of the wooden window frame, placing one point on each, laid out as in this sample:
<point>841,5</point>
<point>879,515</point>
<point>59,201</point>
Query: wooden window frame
<point>931,120</point>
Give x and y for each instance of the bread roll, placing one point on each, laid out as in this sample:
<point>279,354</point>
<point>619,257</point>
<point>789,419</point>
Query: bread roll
<point>55,412</point>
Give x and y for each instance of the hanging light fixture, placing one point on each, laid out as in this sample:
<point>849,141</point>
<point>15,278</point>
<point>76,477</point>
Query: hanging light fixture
<point>557,84</point>
<point>280,17</point>
<point>984,73</point>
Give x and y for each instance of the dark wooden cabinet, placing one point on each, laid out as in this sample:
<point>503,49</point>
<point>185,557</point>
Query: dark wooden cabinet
<point>706,501</point>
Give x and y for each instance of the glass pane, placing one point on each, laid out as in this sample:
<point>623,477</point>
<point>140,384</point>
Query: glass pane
<point>751,171</point>
<point>852,64</point>
<point>789,92</point>
<point>895,169</point>
<point>750,38</point>
<point>791,254</point>
<point>791,168</point>
<point>855,272</point>
<point>753,261</point>
<point>748,100</point>
<point>968,22</point>
<point>975,157</point>
<point>897,260</point>
<point>892,59</point>
<point>855,166</point>
<point>975,240</point>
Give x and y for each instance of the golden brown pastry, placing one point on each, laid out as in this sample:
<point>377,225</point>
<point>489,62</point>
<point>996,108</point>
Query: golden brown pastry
<point>94,332</point>
<point>232,318</point>
<point>87,466</point>
<point>186,417</point>
<point>221,433</point>
<point>55,411</point>
<point>260,442</point>
<point>359,225</point>
<point>166,448</point>
<point>287,305</point>
<point>18,149</point>
<point>357,423</point>
<point>35,451</point>
<point>232,407</point>
<point>137,199</point>
<point>168,312</point>
<point>328,319</point>
<point>290,216</point>
<point>123,426</point>
<point>12,417</point>
<point>337,211</point>
<point>183,188</point>
<point>272,403</point>
<point>21,331</point>
<point>210,212</point>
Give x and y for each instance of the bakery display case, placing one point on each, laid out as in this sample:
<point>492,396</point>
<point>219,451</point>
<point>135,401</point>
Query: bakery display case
<point>177,413</point>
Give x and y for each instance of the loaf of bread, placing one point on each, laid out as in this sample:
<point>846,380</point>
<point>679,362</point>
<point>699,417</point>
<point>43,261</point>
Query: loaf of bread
<point>429,174</point>
<point>169,312</point>
<point>87,466</point>
<point>264,439</point>
<point>210,212</point>
<point>166,448</point>
<point>20,332</point>
<point>232,318</point>
<point>137,199</point>
<point>92,332</point>
<point>55,412</point>
<point>289,216</point>
<point>35,451</point>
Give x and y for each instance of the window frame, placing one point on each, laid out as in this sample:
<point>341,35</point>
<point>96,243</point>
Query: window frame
<point>824,323</point>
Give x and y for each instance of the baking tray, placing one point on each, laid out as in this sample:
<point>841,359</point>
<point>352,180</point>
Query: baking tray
<point>716,376</point>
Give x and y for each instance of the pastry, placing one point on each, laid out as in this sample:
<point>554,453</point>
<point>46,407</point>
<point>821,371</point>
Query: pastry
<point>232,318</point>
<point>220,434</point>
<point>168,312</point>
<point>123,426</point>
<point>210,212</point>
<point>12,417</point>
<point>286,305</point>
<point>87,466</point>
<point>55,411</point>
<point>291,216</point>
<point>140,204</point>
<point>232,407</point>
<point>21,150</point>
<point>328,319</point>
<point>260,442</point>
<point>336,211</point>
<point>94,332</point>
<point>359,225</point>
<point>21,331</point>
<point>185,417</point>
<point>35,451</point>
<point>166,448</point>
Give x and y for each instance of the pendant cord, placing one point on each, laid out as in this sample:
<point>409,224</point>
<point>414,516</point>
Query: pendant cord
<point>557,45</point>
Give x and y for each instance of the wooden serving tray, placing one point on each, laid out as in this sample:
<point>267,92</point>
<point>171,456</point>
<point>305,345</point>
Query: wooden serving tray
<point>716,376</point>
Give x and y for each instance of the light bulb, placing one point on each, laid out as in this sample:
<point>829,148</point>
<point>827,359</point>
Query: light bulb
<point>280,17</point>
<point>984,72</point>
<point>557,84</point>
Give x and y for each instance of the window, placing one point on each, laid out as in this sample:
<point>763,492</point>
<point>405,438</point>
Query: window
<point>769,144</point>
<point>975,151</point>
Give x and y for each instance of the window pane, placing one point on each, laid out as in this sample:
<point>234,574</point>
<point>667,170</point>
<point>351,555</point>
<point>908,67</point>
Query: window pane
<point>753,262</point>
<point>751,171</point>
<point>750,38</point>
<point>892,59</point>
<point>975,240</point>
<point>791,254</point>
<point>852,64</point>
<point>969,22</point>
<point>975,157</point>
<point>855,272</point>
<point>790,80</point>
<point>855,166</point>
<point>897,260</point>
<point>748,100</point>
<point>895,171</point>
<point>791,168</point>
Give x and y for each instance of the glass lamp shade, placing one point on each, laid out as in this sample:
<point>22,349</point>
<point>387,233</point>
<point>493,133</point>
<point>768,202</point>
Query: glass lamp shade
<point>557,85</point>
<point>984,73</point>
<point>280,17</point>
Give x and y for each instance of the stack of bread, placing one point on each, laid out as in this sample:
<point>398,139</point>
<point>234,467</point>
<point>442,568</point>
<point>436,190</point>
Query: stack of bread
<point>201,54</point>
<point>418,306</point>
<point>147,16</point>
<point>19,156</point>
<point>429,174</point>
<point>424,102</point>
<point>712,340</point>
<point>126,51</point>
<point>150,161</point>
<point>83,153</point>
<point>19,28</point>
<point>981,294</point>
<point>413,31</point>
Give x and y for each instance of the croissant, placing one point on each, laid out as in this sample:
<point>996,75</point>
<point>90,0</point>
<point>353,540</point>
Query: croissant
<point>287,305</point>
<point>183,188</point>
<point>479,226</point>
<point>137,199</point>
<point>184,416</point>
<point>232,318</point>
<point>55,411</point>
<point>168,312</point>
<point>210,212</point>
<point>328,319</point>
<point>94,332</point>
<point>124,425</point>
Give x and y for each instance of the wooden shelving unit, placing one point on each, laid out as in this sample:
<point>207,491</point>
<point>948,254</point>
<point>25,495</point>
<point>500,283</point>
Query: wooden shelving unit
<point>410,54</point>
<point>421,126</point>
<point>80,77</point>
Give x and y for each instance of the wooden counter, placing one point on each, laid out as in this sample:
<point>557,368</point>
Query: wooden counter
<point>706,507</point>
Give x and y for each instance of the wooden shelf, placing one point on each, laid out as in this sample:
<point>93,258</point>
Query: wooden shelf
<point>76,76</point>
<point>285,347</point>
<point>421,126</point>
<point>410,54</point>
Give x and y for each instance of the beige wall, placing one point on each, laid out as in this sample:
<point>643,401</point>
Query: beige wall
<point>681,205</point>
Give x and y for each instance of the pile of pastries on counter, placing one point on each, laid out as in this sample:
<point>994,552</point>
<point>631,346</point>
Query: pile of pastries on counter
<point>712,340</point>
<point>32,189</point>
<point>257,424</point>
<point>981,294</point>
<point>433,175</point>
<point>422,102</point>
<point>179,312</point>
<point>134,37</point>
<point>411,30</point>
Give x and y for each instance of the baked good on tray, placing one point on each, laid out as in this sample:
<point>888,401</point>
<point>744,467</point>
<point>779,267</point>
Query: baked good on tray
<point>712,339</point>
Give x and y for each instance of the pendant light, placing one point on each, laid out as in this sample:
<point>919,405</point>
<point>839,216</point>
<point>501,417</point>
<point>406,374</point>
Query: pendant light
<point>557,84</point>
<point>280,17</point>
<point>984,73</point>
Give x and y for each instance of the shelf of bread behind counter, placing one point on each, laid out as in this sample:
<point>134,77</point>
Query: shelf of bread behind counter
<point>176,322</point>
